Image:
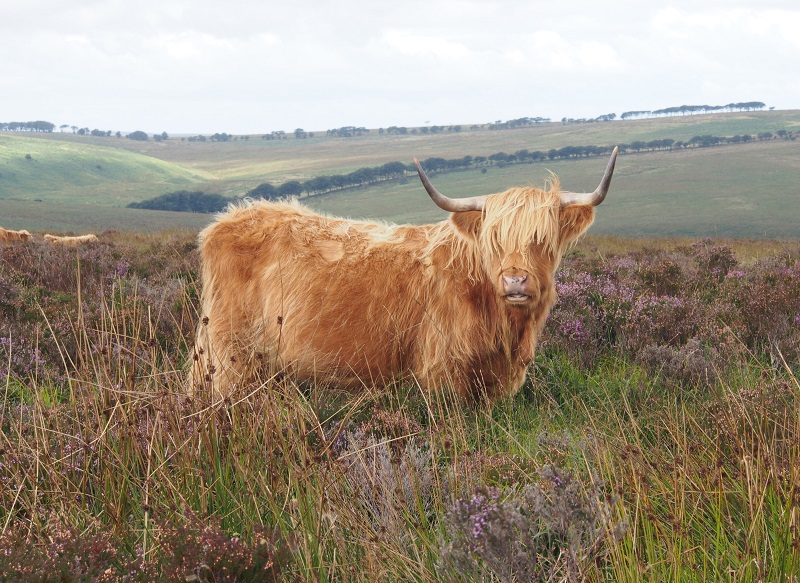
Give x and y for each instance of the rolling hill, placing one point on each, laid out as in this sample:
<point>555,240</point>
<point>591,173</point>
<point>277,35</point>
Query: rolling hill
<point>75,172</point>
<point>743,190</point>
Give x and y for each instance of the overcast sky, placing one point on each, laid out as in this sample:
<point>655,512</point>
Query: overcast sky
<point>254,66</point>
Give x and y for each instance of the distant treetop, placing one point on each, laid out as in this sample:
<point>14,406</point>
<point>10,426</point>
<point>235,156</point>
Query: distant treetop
<point>692,109</point>
<point>350,131</point>
<point>27,126</point>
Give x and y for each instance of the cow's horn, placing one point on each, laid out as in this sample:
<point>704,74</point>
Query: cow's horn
<point>596,197</point>
<point>452,205</point>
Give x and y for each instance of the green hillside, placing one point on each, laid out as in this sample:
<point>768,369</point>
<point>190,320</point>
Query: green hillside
<point>750,191</point>
<point>236,166</point>
<point>737,190</point>
<point>62,171</point>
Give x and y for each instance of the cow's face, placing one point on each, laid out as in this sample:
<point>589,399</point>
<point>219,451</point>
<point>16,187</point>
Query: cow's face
<point>521,235</point>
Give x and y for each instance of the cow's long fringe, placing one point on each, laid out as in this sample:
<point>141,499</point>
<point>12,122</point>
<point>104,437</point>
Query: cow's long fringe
<point>510,224</point>
<point>514,219</point>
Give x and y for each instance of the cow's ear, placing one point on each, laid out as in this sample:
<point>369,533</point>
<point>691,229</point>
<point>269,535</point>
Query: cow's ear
<point>467,223</point>
<point>573,222</point>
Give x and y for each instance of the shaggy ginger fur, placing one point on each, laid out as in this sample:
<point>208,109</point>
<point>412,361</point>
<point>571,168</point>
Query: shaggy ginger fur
<point>8,236</point>
<point>70,241</point>
<point>358,303</point>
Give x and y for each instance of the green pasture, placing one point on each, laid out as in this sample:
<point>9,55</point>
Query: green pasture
<point>749,191</point>
<point>74,172</point>
<point>746,190</point>
<point>56,217</point>
<point>281,160</point>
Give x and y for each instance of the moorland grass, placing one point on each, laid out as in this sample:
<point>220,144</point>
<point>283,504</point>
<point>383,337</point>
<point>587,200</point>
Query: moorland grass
<point>76,218</point>
<point>610,465</point>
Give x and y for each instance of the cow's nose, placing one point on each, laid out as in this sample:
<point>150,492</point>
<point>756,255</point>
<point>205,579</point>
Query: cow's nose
<point>514,281</point>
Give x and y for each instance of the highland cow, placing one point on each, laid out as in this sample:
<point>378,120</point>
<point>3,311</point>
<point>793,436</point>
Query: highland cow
<point>9,236</point>
<point>459,303</point>
<point>71,240</point>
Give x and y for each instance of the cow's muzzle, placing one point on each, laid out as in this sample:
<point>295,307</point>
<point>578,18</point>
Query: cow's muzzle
<point>516,288</point>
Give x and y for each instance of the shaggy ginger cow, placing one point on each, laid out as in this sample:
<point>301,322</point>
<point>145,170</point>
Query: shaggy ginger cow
<point>460,303</point>
<point>7,235</point>
<point>71,240</point>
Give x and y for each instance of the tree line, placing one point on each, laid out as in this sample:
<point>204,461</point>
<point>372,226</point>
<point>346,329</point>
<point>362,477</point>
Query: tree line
<point>351,131</point>
<point>184,201</point>
<point>210,203</point>
<point>47,127</point>
<point>27,126</point>
<point>693,109</point>
<point>598,119</point>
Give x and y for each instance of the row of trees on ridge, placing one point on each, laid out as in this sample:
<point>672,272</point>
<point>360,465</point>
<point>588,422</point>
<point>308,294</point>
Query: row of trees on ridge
<point>696,109</point>
<point>351,131</point>
<point>27,126</point>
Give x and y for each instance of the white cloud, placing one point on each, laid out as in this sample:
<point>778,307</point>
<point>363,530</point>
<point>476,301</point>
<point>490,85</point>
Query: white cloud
<point>785,24</point>
<point>684,23</point>
<point>744,23</point>
<point>267,39</point>
<point>249,65</point>
<point>76,39</point>
<point>549,49</point>
<point>728,48</point>
<point>516,56</point>
<point>414,44</point>
<point>187,45</point>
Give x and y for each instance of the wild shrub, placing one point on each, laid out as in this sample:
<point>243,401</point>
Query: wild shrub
<point>69,555</point>
<point>765,305</point>
<point>662,276</point>
<point>189,550</point>
<point>585,322</point>
<point>392,478</point>
<point>59,305</point>
<point>691,364</point>
<point>552,530</point>
<point>199,550</point>
<point>714,261</point>
<point>672,309</point>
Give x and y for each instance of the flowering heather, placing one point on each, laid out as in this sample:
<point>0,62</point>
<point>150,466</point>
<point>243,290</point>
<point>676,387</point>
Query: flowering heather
<point>636,303</point>
<point>697,300</point>
<point>551,530</point>
<point>48,318</point>
<point>388,477</point>
<point>22,358</point>
<point>194,551</point>
<point>110,472</point>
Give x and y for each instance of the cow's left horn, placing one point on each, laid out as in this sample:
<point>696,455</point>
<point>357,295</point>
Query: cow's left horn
<point>453,205</point>
<point>596,197</point>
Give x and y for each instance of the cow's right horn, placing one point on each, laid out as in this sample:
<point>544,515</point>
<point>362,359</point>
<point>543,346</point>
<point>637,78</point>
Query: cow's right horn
<point>453,205</point>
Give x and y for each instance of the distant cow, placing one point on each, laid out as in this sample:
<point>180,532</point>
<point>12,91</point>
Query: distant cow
<point>353,303</point>
<point>70,241</point>
<point>7,235</point>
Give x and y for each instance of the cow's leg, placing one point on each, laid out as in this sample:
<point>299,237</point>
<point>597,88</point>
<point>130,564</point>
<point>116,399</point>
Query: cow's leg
<point>217,367</point>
